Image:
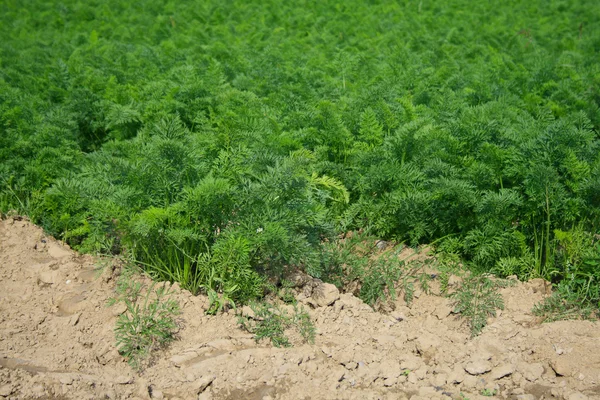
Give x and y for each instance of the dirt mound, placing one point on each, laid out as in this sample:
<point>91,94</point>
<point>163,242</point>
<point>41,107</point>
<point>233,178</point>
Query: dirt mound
<point>57,342</point>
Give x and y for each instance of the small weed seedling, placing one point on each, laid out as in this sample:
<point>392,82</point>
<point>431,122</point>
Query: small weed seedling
<point>477,299</point>
<point>287,296</point>
<point>218,302</point>
<point>146,325</point>
<point>271,322</point>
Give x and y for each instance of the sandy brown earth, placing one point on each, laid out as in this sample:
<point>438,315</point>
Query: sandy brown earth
<point>57,342</point>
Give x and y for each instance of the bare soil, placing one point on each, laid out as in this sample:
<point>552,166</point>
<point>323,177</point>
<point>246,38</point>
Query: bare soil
<point>57,342</point>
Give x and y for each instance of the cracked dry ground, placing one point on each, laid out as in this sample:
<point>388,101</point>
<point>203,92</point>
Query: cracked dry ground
<point>57,342</point>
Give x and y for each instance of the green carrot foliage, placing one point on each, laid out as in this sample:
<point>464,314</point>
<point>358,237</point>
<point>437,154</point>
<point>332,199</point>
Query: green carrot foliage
<point>222,143</point>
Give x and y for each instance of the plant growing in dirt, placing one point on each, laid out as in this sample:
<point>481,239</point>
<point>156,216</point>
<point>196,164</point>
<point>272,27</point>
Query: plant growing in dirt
<point>564,305</point>
<point>577,276</point>
<point>381,273</point>
<point>271,322</point>
<point>577,294</point>
<point>218,302</point>
<point>488,392</point>
<point>286,292</point>
<point>379,278</point>
<point>476,300</point>
<point>148,323</point>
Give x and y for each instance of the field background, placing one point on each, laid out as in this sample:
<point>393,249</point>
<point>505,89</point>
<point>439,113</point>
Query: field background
<point>223,144</point>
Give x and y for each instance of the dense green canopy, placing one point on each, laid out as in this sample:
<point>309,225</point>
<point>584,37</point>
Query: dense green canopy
<point>218,142</point>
